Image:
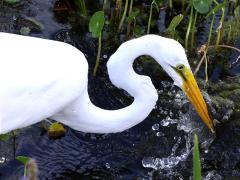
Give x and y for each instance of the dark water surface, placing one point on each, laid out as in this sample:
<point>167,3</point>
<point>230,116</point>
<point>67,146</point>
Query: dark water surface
<point>158,148</point>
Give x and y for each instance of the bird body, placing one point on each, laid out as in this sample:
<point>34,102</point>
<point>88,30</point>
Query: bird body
<point>35,82</point>
<point>44,78</point>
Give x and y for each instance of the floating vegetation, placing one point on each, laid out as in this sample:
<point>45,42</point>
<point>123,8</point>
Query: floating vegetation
<point>30,168</point>
<point>56,130</point>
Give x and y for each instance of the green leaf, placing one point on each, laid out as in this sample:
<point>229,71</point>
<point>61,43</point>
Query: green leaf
<point>81,6</point>
<point>133,15</point>
<point>12,1</point>
<point>196,160</point>
<point>4,137</point>
<point>202,6</point>
<point>138,30</point>
<point>157,3</point>
<point>174,23</point>
<point>237,11</point>
<point>96,23</point>
<point>216,9</point>
<point>23,159</point>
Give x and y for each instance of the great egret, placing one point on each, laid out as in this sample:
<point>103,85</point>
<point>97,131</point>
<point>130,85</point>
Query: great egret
<point>44,78</point>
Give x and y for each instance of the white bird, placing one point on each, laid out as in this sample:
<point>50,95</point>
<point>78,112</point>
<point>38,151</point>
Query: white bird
<point>43,78</point>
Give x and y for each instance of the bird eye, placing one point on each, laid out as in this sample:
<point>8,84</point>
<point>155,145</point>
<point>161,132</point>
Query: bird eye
<point>180,67</point>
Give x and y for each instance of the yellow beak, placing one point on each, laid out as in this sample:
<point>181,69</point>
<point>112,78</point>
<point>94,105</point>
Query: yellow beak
<point>194,95</point>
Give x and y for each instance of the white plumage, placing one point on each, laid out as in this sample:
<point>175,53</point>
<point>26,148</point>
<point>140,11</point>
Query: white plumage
<point>44,78</point>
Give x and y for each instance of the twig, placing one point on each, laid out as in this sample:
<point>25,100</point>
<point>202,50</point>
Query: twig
<point>222,46</point>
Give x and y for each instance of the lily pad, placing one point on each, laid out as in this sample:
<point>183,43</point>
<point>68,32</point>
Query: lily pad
<point>202,6</point>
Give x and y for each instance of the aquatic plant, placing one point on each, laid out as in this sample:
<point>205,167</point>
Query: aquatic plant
<point>30,168</point>
<point>231,27</point>
<point>56,130</point>
<point>95,27</point>
<point>11,1</point>
<point>24,160</point>
<point>81,6</point>
<point>196,160</point>
<point>130,14</point>
<point>197,6</point>
<point>4,137</point>
<point>123,16</point>
<point>155,3</point>
<point>171,30</point>
<point>132,18</point>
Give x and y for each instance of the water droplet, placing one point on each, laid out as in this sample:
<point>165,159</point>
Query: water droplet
<point>107,165</point>
<point>155,127</point>
<point>2,159</point>
<point>105,56</point>
<point>159,134</point>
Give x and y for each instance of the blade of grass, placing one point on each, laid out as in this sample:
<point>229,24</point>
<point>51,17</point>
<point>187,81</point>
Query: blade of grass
<point>196,160</point>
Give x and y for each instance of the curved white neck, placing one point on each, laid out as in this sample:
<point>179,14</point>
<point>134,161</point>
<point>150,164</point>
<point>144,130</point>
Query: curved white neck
<point>84,116</point>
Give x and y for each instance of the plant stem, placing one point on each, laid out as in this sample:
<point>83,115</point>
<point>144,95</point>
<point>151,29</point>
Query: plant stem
<point>210,31</point>
<point>170,4</point>
<point>129,13</point>
<point>25,170</point>
<point>98,55</point>
<point>193,30</point>
<point>150,18</point>
<point>206,66</point>
<point>189,27</point>
<point>105,4</point>
<point>123,16</point>
<point>203,57</point>
<point>82,7</point>
<point>220,28</point>
<point>183,5</point>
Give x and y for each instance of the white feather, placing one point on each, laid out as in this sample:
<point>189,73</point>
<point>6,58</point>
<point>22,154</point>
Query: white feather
<point>43,78</point>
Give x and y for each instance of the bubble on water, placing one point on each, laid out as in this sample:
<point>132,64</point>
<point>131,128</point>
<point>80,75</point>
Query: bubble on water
<point>2,159</point>
<point>159,134</point>
<point>107,165</point>
<point>105,56</point>
<point>155,127</point>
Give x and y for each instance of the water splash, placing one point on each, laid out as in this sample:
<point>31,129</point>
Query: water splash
<point>213,175</point>
<point>167,121</point>
<point>170,161</point>
<point>155,127</point>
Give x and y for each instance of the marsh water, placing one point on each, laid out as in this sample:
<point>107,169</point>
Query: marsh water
<point>158,148</point>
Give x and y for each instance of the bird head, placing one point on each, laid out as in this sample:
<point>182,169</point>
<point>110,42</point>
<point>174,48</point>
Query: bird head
<point>175,63</point>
